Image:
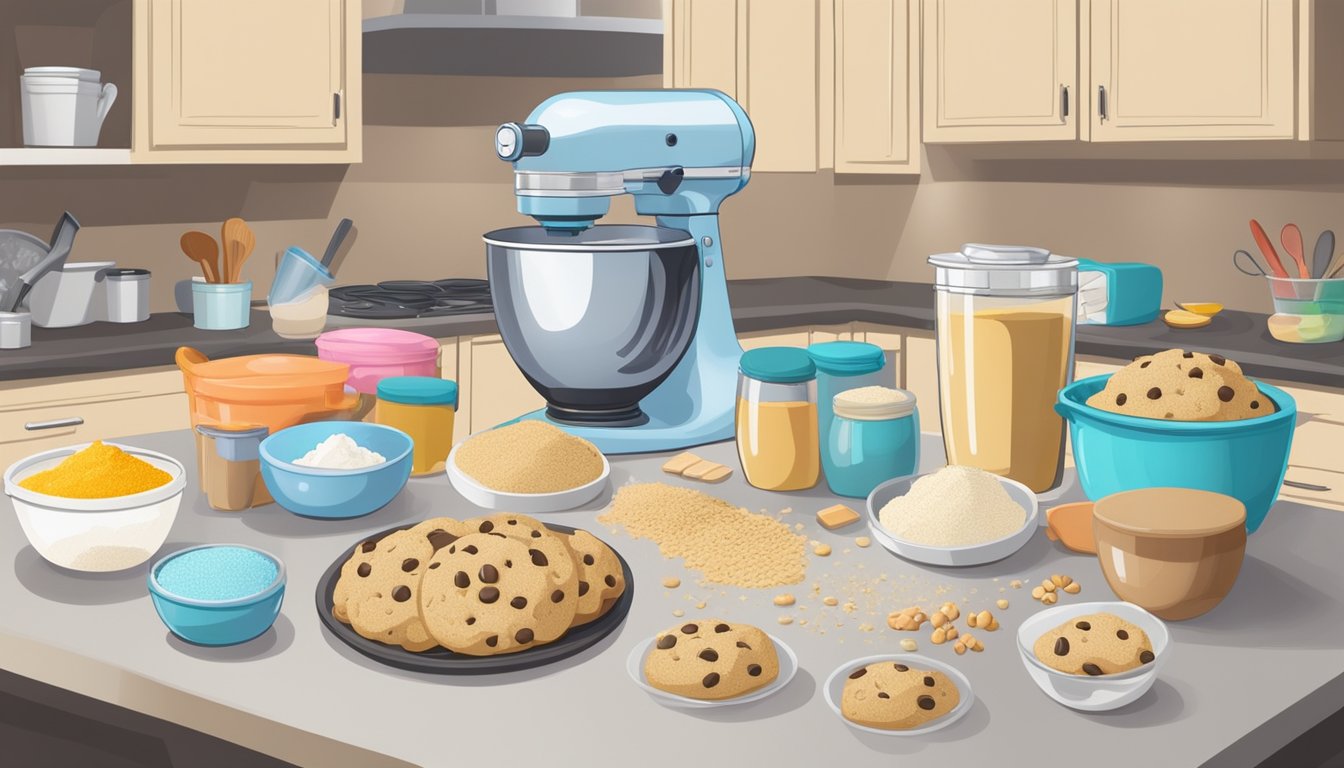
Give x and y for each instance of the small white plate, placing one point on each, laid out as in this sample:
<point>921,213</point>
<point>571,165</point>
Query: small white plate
<point>526,503</point>
<point>974,554</point>
<point>835,689</point>
<point>634,664</point>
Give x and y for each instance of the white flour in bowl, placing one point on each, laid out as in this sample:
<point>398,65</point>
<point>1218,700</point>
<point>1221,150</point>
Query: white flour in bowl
<point>954,507</point>
<point>340,451</point>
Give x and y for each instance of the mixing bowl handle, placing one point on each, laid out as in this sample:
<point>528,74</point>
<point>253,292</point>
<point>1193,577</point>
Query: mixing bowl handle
<point>188,358</point>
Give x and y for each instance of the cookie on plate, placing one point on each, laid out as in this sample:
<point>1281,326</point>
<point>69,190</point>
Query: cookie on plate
<point>601,578</point>
<point>378,589</point>
<point>487,594</point>
<point>441,531</point>
<point>1096,644</point>
<point>555,555</point>
<point>896,697</point>
<point>711,659</point>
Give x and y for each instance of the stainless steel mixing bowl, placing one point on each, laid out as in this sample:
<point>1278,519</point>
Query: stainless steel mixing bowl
<point>595,320</point>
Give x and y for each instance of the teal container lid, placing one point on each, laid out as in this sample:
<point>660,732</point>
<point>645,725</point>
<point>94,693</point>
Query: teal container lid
<point>778,365</point>
<point>418,390</point>
<point>846,358</point>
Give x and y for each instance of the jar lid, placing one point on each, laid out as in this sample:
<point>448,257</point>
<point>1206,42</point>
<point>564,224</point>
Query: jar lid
<point>1170,512</point>
<point>233,431</point>
<point>873,403</point>
<point>1005,270</point>
<point>846,358</point>
<point>375,346</point>
<point>778,365</point>
<point>418,390</point>
<point>126,274</point>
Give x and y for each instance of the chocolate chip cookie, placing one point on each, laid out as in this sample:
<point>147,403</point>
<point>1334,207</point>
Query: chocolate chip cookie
<point>487,594</point>
<point>1096,644</point>
<point>378,589</point>
<point>1177,385</point>
<point>896,697</point>
<point>441,531</point>
<point>711,659</point>
<point>601,578</point>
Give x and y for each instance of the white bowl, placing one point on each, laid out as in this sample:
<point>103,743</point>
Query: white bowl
<point>974,554</point>
<point>835,689</point>
<point>634,664</point>
<point>526,503</point>
<point>1103,692</point>
<point>96,535</point>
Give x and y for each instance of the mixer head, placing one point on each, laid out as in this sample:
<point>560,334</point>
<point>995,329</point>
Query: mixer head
<point>679,152</point>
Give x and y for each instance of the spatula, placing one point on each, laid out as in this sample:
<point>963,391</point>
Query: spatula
<point>1267,248</point>
<point>202,249</point>
<point>1291,237</point>
<point>62,240</point>
<point>1320,257</point>
<point>239,241</point>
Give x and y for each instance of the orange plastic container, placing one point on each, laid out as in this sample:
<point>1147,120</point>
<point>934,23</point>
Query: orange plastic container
<point>275,391</point>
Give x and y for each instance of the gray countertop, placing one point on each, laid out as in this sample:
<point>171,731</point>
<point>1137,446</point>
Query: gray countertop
<point>758,305</point>
<point>1241,682</point>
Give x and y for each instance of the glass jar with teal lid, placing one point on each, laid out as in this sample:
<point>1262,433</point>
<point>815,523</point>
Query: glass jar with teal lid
<point>845,365</point>
<point>777,438</point>
<point>874,438</point>
<point>424,408</point>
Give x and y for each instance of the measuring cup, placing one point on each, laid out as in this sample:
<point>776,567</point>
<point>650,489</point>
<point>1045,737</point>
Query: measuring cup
<point>298,274</point>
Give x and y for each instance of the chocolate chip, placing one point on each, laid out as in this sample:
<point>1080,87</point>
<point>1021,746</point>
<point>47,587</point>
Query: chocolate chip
<point>1188,355</point>
<point>1145,363</point>
<point>519,602</point>
<point>856,674</point>
<point>461,580</point>
<point>452,550</point>
<point>538,558</point>
<point>1226,394</point>
<point>926,702</point>
<point>741,644</point>
<point>524,636</point>
<point>667,641</point>
<point>402,593</point>
<point>492,640</point>
<point>511,521</point>
<point>1196,373</point>
<point>432,566</point>
<point>508,563</point>
<point>883,695</point>
<point>487,526</point>
<point>610,580</point>
<point>1219,359</point>
<point>409,564</point>
<point>1083,625</point>
<point>928,681</point>
<point>690,629</point>
<point>367,547</point>
<point>901,668</point>
<point>364,569</point>
<point>470,549</point>
<point>1062,646</point>
<point>583,588</point>
<point>489,595</point>
<point>754,670</point>
<point>558,596</point>
<point>721,628</point>
<point>489,574</point>
<point>1122,634</point>
<point>709,654</point>
<point>588,560</point>
<point>1092,669</point>
<point>711,680</point>
<point>471,620</point>
<point>1255,405</point>
<point>1146,657</point>
<point>1121,398</point>
<point>440,539</point>
<point>536,534</point>
<point>1154,393</point>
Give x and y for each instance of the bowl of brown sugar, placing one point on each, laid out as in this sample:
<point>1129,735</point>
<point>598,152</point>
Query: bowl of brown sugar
<point>529,466</point>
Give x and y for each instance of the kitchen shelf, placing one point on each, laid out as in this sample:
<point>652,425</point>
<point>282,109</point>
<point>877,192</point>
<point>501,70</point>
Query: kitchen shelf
<point>523,46</point>
<point>64,156</point>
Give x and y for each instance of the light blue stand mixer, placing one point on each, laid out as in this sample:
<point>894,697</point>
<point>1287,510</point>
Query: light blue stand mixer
<point>624,329</point>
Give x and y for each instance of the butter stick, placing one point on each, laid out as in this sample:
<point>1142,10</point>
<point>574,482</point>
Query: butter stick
<point>698,470</point>
<point>836,516</point>
<point>680,463</point>
<point>718,474</point>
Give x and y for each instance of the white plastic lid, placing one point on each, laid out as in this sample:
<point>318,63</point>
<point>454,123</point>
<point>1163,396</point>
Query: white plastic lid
<point>1005,270</point>
<point>873,403</point>
<point>91,75</point>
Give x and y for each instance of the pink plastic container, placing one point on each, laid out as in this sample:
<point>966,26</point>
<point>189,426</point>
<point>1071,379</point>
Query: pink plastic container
<point>374,354</point>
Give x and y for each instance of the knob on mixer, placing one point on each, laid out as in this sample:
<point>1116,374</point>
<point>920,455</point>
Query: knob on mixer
<point>514,140</point>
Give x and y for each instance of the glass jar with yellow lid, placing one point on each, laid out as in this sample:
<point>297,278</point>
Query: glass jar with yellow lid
<point>422,407</point>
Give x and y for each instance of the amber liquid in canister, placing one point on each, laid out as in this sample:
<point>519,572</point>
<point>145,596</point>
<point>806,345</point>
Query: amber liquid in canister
<point>430,427</point>
<point>777,444</point>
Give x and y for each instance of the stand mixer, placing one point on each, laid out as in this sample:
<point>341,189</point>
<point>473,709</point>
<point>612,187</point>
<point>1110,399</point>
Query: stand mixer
<point>625,330</point>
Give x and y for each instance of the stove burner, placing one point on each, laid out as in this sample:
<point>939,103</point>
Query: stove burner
<point>392,299</point>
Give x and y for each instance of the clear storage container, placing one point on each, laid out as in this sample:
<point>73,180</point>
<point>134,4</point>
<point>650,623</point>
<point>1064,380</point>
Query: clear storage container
<point>777,419</point>
<point>230,465</point>
<point>422,407</point>
<point>841,366</point>
<point>873,438</point>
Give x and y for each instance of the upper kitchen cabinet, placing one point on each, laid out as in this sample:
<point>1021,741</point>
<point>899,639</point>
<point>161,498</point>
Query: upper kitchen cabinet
<point>247,81</point>
<point>876,86</point>
<point>1000,71</point>
<point>1192,69</point>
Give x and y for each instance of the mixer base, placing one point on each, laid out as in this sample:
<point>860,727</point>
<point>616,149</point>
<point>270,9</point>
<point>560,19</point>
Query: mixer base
<point>622,417</point>
<point>651,437</point>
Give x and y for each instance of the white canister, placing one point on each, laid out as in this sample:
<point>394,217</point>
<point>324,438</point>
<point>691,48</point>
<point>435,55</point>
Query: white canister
<point>127,295</point>
<point>72,295</point>
<point>16,330</point>
<point>64,106</point>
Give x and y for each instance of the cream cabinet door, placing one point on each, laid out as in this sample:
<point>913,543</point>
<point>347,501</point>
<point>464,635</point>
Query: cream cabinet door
<point>876,86</point>
<point>777,81</point>
<point>499,392</point>
<point>1000,71</point>
<point>249,73</point>
<point>1192,69</point>
<point>700,45</point>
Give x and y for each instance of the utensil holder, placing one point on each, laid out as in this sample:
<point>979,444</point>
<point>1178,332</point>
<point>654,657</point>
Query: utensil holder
<point>221,306</point>
<point>1307,311</point>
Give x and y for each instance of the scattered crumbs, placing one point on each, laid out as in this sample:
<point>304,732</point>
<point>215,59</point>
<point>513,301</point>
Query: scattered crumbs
<point>786,510</point>
<point>671,582</point>
<point>865,627</point>
<point>678,612</point>
<point>1015,583</point>
<point>909,645</point>
<point>743,598</point>
<point>797,526</point>
<point>846,551</point>
<point>700,605</point>
<point>1002,603</point>
<point>821,550</point>
<point>802,622</point>
<point>996,579</point>
<point>785,619</point>
<point>849,607</point>
<point>863,541</point>
<point>784,599</point>
<point>828,600</point>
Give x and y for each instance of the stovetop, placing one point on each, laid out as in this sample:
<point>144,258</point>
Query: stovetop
<point>394,299</point>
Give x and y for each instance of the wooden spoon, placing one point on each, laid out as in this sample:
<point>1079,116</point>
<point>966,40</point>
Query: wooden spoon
<point>1291,237</point>
<point>239,241</point>
<point>202,249</point>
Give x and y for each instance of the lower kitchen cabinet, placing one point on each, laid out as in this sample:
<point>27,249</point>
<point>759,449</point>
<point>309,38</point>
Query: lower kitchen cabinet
<point>496,389</point>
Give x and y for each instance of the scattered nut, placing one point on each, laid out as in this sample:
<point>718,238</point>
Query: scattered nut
<point>1073,588</point>
<point>863,541</point>
<point>1015,583</point>
<point>1060,580</point>
<point>939,636</point>
<point>785,619</point>
<point>951,632</point>
<point>939,619</point>
<point>1048,585</point>
<point>909,645</point>
<point>951,611</point>
<point>972,642</point>
<point>700,604</point>
<point>785,599</point>
<point>959,647</point>
<point>1003,604</point>
<point>907,620</point>
<point>671,582</point>
<point>828,600</point>
<point>1037,593</point>
<point>821,550</point>
<point>678,612</point>
<point>1050,598</point>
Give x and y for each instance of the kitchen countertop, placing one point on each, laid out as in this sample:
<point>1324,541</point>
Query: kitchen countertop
<point>1241,682</point>
<point>758,305</point>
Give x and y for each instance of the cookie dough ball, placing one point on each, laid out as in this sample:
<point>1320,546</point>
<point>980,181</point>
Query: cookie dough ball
<point>711,659</point>
<point>896,697</point>
<point>1177,385</point>
<point>1096,644</point>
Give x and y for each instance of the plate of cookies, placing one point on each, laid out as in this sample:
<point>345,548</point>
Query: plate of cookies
<point>497,593</point>
<point>711,663</point>
<point>898,694</point>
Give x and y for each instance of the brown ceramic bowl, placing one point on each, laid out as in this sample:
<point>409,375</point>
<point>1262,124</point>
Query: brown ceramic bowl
<point>1173,551</point>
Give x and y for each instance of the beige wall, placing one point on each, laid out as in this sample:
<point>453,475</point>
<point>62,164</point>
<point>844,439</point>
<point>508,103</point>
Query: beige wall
<point>430,185</point>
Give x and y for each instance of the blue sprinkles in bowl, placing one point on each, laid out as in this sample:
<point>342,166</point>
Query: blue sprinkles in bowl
<point>218,594</point>
<point>217,573</point>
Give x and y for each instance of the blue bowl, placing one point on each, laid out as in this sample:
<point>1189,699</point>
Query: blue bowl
<point>1245,459</point>
<point>335,493</point>
<point>218,622</point>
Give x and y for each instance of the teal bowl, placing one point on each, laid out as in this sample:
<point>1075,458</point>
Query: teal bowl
<point>205,621</point>
<point>1245,459</point>
<point>335,493</point>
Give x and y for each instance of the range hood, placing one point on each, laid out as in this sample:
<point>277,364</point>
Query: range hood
<point>529,38</point>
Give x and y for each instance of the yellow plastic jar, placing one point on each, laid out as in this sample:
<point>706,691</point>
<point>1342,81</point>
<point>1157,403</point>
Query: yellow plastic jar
<point>422,407</point>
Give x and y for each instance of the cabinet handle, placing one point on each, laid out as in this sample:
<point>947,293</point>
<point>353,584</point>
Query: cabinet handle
<point>1064,99</point>
<point>335,107</point>
<point>34,426</point>
<point>1101,102</point>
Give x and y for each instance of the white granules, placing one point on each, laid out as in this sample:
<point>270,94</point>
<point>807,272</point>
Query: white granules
<point>954,507</point>
<point>872,396</point>
<point>340,451</point>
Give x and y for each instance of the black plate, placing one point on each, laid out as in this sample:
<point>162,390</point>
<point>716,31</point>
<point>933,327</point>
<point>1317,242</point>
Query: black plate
<point>441,661</point>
